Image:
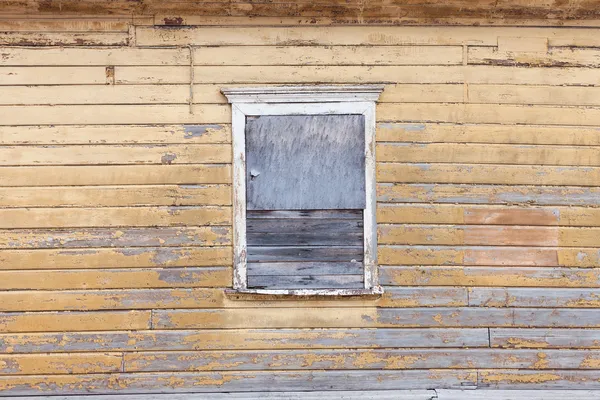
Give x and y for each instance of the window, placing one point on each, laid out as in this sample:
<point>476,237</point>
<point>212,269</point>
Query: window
<point>304,190</point>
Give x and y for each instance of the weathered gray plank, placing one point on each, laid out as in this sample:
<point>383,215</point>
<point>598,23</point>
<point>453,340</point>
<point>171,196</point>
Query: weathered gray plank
<point>424,296</point>
<point>306,281</point>
<point>304,253</point>
<point>323,238</point>
<point>306,268</point>
<point>534,297</point>
<point>235,382</point>
<point>305,162</point>
<point>545,338</point>
<point>240,339</point>
<point>498,394</point>
<point>522,379</point>
<point>391,359</point>
<point>306,214</point>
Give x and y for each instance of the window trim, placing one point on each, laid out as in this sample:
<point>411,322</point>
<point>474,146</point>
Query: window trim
<point>303,100</point>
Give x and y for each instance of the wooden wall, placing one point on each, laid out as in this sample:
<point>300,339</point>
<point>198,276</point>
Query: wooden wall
<point>115,210</point>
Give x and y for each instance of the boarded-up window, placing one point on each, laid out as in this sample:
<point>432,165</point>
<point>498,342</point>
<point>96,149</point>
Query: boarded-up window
<point>305,193</point>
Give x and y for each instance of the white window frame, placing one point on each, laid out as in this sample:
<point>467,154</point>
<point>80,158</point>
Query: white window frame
<point>303,100</point>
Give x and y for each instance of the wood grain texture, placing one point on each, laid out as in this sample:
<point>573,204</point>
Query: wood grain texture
<point>74,321</point>
<point>544,338</point>
<point>73,363</point>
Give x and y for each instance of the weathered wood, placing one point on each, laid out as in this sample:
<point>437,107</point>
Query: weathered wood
<point>116,278</point>
<point>521,94</point>
<point>244,339</point>
<point>554,57</point>
<point>386,359</point>
<point>22,23</point>
<point>538,297</point>
<point>510,134</point>
<point>491,276</point>
<point>115,175</point>
<point>503,394</point>
<point>74,321</point>
<point>16,38</point>
<point>305,268</point>
<point>488,194</point>
<point>545,338</point>
<point>71,363</point>
<point>112,134</point>
<point>235,381</point>
<point>12,218</point>
<point>115,237</point>
<point>115,196</point>
<point>306,281</point>
<point>305,162</point>
<point>305,253</point>
<point>291,215</point>
<point>557,379</point>
<point>52,75</point>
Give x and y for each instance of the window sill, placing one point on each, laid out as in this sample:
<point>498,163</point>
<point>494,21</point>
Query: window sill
<point>304,294</point>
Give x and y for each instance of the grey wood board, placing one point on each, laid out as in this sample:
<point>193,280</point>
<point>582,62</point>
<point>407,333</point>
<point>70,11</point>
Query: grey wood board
<point>524,379</point>
<point>318,214</point>
<point>333,238</point>
<point>306,281</point>
<point>305,162</point>
<point>306,268</point>
<point>304,253</point>
<point>498,394</point>
<point>239,339</point>
<point>545,338</point>
<point>243,382</point>
<point>535,297</point>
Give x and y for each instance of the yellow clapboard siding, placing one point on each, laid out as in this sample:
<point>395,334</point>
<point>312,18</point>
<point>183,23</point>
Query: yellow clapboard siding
<point>115,134</point>
<point>484,114</point>
<point>52,75</point>
<point>474,235</point>
<point>114,114</point>
<point>130,257</point>
<point>518,94</point>
<point>488,133</point>
<point>116,154</point>
<point>329,55</point>
<point>112,216</point>
<point>116,196</point>
<point>488,154</point>
<point>71,363</point>
<point>355,35</point>
<point>116,278</point>
<point>357,74</point>
<point>75,321</point>
<point>17,38</point>
<point>556,57</point>
<point>489,215</point>
<point>93,56</point>
<point>115,175</point>
<point>492,174</point>
<point>491,276</point>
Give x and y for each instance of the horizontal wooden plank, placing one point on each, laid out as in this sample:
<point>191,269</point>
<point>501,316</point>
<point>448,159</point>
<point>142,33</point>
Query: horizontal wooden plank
<point>373,317</point>
<point>493,133</point>
<point>545,338</point>
<point>71,363</point>
<point>74,321</point>
<point>114,114</point>
<point>25,218</point>
<point>115,175</point>
<point>305,268</point>
<point>489,194</point>
<point>243,339</point>
<point>379,359</point>
<point>14,23</point>
<point>328,55</point>
<point>352,35</point>
<point>61,56</point>
<point>127,257</point>
<point>16,38</point>
<point>488,236</point>
<point>116,154</point>
<point>306,281</point>
<point>116,278</point>
<point>554,57</point>
<point>322,238</point>
<point>488,174</point>
<point>304,253</point>
<point>488,154</point>
<point>501,394</point>
<point>557,379</point>
<point>115,237</point>
<point>357,74</point>
<point>234,381</point>
<point>115,196</point>
<point>521,94</point>
<point>52,75</point>
<point>487,215</point>
<point>508,114</point>
<point>489,256</point>
<point>491,276</point>
<point>113,134</point>
<point>520,297</point>
<point>305,214</point>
